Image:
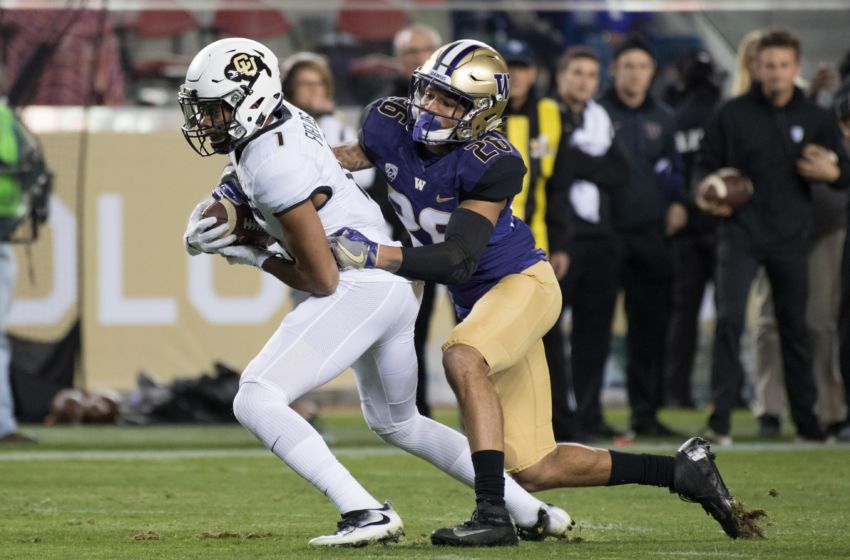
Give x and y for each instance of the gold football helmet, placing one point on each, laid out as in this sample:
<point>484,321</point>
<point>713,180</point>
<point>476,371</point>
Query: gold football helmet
<point>470,71</point>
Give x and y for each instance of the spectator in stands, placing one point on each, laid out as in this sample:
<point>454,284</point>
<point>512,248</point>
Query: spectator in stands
<point>61,57</point>
<point>645,212</point>
<point>746,66</point>
<point>767,375</point>
<point>589,163</point>
<point>411,47</point>
<point>842,110</point>
<point>533,126</point>
<point>783,143</point>
<point>698,94</point>
<point>309,85</point>
<point>844,81</point>
<point>825,239</point>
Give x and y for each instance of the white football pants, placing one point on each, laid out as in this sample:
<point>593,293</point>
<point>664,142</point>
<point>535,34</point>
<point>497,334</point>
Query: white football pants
<point>367,325</point>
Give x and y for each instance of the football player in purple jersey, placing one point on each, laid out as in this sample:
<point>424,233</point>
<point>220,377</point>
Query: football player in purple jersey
<point>452,176</point>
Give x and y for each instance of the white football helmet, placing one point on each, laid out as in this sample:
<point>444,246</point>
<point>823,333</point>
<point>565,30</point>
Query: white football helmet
<point>231,87</point>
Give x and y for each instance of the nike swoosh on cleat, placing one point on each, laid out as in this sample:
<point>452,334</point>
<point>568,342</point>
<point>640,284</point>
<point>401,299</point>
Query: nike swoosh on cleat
<point>358,259</point>
<point>467,533</point>
<point>382,521</point>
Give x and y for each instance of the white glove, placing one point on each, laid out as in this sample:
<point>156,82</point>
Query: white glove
<point>245,254</point>
<point>198,239</point>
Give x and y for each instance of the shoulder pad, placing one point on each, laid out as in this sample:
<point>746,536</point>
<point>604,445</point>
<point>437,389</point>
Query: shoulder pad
<point>392,108</point>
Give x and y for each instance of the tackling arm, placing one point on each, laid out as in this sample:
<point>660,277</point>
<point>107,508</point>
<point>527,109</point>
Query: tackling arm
<point>454,260</point>
<point>351,156</point>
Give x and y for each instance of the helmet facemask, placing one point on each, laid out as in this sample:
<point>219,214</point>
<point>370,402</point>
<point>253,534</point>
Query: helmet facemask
<point>426,127</point>
<point>232,87</point>
<point>209,125</point>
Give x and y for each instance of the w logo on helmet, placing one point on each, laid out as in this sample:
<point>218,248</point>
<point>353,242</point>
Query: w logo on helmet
<point>503,85</point>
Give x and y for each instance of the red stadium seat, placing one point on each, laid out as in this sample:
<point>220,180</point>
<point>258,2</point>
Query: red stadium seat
<point>154,26</point>
<point>163,23</point>
<point>370,25</point>
<point>253,24</point>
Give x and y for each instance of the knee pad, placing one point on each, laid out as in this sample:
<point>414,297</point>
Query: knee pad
<point>252,397</point>
<point>394,432</point>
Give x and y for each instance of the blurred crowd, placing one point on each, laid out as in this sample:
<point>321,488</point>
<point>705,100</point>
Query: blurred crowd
<point>618,129</point>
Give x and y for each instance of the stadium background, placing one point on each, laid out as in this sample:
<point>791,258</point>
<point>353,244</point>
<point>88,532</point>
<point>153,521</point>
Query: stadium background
<point>109,275</point>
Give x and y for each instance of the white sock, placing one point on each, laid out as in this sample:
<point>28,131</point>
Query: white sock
<point>448,450</point>
<point>266,414</point>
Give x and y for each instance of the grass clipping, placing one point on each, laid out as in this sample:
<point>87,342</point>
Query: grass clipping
<point>752,524</point>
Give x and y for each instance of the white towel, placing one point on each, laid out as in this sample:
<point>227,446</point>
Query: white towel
<point>593,138</point>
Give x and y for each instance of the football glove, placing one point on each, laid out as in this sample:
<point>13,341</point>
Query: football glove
<point>198,239</point>
<point>352,249</point>
<point>245,254</point>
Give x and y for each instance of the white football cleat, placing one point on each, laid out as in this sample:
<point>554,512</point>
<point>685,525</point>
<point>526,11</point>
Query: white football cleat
<point>552,521</point>
<point>364,526</point>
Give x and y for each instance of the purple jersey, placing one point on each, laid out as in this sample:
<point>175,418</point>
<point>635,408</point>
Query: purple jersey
<point>425,189</point>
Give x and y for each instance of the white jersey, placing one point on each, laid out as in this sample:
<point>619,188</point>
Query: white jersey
<point>287,164</point>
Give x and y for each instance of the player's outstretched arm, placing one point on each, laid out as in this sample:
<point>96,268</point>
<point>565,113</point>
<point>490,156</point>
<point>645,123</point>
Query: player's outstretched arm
<point>455,259</point>
<point>313,269</point>
<point>450,262</point>
<point>351,156</point>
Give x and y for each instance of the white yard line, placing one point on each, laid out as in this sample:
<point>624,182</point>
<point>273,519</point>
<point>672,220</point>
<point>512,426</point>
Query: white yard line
<point>368,451</point>
<point>172,454</point>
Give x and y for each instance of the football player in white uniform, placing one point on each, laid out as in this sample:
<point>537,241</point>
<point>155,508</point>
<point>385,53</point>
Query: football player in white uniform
<point>232,104</point>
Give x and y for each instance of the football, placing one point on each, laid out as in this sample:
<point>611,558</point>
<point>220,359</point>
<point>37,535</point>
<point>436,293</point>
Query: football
<point>240,220</point>
<point>725,186</point>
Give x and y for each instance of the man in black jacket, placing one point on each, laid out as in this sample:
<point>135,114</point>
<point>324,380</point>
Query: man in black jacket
<point>645,211</point>
<point>783,143</point>
<point>582,243</point>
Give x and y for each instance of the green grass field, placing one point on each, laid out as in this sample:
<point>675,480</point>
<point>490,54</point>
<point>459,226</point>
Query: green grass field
<point>213,492</point>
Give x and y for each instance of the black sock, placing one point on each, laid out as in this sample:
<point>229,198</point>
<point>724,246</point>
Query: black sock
<point>489,468</point>
<point>652,470</point>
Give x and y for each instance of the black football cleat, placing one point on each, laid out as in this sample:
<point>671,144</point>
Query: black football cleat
<point>490,526</point>
<point>696,479</point>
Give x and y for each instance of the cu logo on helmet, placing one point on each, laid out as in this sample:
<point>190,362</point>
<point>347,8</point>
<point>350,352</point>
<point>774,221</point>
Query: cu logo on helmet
<point>503,85</point>
<point>243,67</point>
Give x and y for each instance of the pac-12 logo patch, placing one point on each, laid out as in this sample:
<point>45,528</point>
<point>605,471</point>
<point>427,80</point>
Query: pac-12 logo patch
<point>503,85</point>
<point>391,171</point>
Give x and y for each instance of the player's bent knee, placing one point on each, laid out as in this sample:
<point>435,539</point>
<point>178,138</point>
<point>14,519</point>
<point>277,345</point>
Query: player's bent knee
<point>250,400</point>
<point>544,474</point>
<point>461,361</point>
<point>242,405</point>
<point>393,431</point>
<point>531,479</point>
